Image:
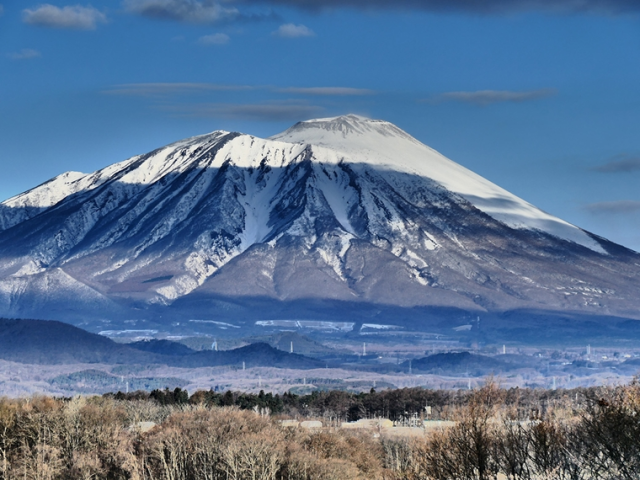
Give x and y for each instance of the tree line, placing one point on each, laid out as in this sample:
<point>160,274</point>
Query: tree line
<point>394,404</point>
<point>593,433</point>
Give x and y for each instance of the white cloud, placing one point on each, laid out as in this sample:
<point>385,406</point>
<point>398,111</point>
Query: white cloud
<point>290,30</point>
<point>73,17</point>
<point>214,39</point>
<point>1,9</point>
<point>25,54</point>
<point>189,11</point>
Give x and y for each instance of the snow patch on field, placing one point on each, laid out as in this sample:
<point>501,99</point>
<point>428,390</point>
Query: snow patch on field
<point>377,326</point>
<point>310,324</point>
<point>213,322</point>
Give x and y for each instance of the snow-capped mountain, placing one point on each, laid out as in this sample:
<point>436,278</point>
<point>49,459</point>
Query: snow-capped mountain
<point>346,209</point>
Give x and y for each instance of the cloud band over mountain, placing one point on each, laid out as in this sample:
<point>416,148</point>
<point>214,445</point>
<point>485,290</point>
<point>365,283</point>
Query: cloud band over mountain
<point>619,164</point>
<point>488,97</point>
<point>211,11</point>
<point>283,111</point>
<point>613,208</point>
<point>470,6</point>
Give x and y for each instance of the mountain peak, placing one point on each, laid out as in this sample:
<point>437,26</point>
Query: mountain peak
<point>321,131</point>
<point>347,123</point>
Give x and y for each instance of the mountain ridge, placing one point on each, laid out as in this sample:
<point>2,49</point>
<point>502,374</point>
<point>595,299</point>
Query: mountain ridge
<point>326,210</point>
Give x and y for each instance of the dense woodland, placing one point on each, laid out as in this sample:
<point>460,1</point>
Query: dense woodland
<point>521,434</point>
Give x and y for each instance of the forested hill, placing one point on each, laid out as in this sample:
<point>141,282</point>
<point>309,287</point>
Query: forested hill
<point>55,343</point>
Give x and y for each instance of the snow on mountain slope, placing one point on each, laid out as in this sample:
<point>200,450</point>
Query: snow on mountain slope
<point>383,144</point>
<point>134,171</point>
<point>30,203</point>
<point>51,291</point>
<point>344,209</point>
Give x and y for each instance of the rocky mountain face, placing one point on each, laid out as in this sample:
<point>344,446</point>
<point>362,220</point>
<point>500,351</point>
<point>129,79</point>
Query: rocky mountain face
<point>333,218</point>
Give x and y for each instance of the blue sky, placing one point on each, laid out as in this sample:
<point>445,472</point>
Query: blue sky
<point>542,97</point>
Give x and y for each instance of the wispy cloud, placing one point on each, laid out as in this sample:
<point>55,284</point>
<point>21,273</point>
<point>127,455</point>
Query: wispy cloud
<point>290,30</point>
<point>164,89</point>
<point>488,97</point>
<point>619,164</point>
<point>266,112</point>
<point>1,9</point>
<point>328,91</point>
<point>614,208</point>
<point>24,54</point>
<point>214,39</point>
<point>208,100</point>
<point>75,17</point>
<point>488,7</point>
<point>181,88</point>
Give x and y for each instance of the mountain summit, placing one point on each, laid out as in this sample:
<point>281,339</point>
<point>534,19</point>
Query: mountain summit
<point>331,217</point>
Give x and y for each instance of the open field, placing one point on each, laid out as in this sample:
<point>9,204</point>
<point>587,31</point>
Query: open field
<point>484,434</point>
<point>18,379</point>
